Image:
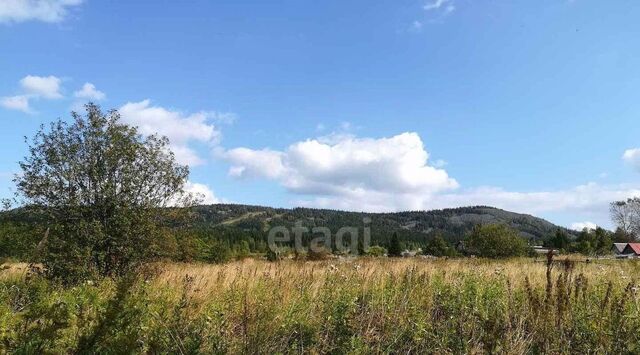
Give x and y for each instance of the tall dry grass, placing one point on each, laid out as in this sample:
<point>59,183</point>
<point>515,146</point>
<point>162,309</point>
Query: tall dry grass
<point>375,305</point>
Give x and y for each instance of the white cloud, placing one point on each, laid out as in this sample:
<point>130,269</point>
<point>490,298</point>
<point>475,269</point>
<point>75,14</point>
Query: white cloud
<point>181,129</point>
<point>249,163</point>
<point>438,4</point>
<point>356,173</point>
<point>632,156</point>
<point>19,102</point>
<point>580,226</point>
<point>203,192</point>
<point>47,87</point>
<point>90,92</point>
<point>40,10</point>
<point>394,174</point>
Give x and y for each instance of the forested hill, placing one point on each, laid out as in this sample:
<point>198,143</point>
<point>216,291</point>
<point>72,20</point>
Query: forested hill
<point>234,223</point>
<point>453,224</point>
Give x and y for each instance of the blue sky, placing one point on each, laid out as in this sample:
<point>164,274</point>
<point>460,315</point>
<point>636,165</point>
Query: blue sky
<point>531,106</point>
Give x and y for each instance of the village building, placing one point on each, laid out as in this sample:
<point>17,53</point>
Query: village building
<point>632,249</point>
<point>618,248</point>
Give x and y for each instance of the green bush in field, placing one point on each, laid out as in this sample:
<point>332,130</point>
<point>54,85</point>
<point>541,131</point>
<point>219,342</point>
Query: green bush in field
<point>495,241</point>
<point>439,247</point>
<point>376,250</point>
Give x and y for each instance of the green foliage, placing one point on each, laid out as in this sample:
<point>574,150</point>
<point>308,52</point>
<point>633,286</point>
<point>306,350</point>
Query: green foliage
<point>376,250</point>
<point>100,187</point>
<point>19,240</point>
<point>395,248</point>
<point>439,247</point>
<point>219,252</point>
<point>593,242</point>
<point>495,241</point>
<point>560,240</point>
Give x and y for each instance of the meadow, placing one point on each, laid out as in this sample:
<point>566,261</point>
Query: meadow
<point>356,306</point>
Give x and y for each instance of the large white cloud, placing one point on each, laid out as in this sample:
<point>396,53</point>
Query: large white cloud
<point>373,173</point>
<point>41,10</point>
<point>47,87</point>
<point>181,129</point>
<point>394,174</point>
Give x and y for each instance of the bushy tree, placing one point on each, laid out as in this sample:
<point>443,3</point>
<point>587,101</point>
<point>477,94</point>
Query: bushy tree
<point>560,240</point>
<point>439,247</point>
<point>219,252</point>
<point>376,250</point>
<point>102,187</point>
<point>593,242</point>
<point>495,241</point>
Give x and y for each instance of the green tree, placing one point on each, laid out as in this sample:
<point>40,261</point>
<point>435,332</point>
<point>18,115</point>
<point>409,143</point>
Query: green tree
<point>495,241</point>
<point>102,187</point>
<point>560,240</point>
<point>585,243</point>
<point>376,250</point>
<point>395,248</point>
<point>439,247</point>
<point>219,252</point>
<point>603,241</point>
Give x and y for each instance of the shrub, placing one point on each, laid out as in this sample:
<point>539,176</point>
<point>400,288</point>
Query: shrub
<point>495,241</point>
<point>376,250</point>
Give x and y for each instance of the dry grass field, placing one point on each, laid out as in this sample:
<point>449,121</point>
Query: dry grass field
<point>367,305</point>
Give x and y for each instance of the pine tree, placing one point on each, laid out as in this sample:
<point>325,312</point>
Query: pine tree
<point>395,249</point>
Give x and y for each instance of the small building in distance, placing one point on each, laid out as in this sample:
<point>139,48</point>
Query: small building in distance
<point>632,249</point>
<point>544,251</point>
<point>618,248</point>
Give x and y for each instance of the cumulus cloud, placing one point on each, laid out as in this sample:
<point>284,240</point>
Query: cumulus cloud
<point>89,92</point>
<point>203,192</point>
<point>632,156</point>
<point>18,102</point>
<point>47,87</point>
<point>39,10</point>
<point>395,174</point>
<point>383,173</point>
<point>580,226</point>
<point>181,129</point>
<point>33,87</point>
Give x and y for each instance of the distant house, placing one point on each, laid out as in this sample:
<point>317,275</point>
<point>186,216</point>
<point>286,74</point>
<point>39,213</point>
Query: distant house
<point>409,253</point>
<point>618,248</point>
<point>544,251</point>
<point>632,249</point>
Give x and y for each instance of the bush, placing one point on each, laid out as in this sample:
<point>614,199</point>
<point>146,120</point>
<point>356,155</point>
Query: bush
<point>376,250</point>
<point>439,247</point>
<point>495,241</point>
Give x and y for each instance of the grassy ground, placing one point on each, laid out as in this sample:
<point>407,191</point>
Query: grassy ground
<point>356,306</point>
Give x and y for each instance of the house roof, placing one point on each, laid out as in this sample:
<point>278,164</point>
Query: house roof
<point>635,247</point>
<point>620,247</point>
